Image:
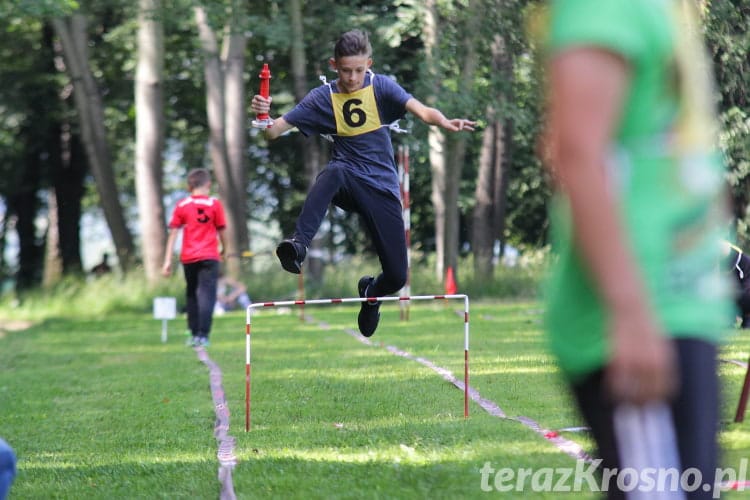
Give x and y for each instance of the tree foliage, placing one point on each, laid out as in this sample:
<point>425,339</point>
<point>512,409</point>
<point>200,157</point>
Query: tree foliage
<point>35,104</point>
<point>726,31</point>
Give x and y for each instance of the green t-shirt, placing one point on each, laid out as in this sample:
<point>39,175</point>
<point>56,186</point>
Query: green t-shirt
<point>663,168</point>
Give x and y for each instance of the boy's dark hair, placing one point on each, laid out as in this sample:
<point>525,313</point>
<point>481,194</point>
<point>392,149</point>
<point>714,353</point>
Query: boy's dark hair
<point>198,177</point>
<point>352,43</point>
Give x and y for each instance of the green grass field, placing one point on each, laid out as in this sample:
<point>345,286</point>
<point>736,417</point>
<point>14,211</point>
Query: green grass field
<point>101,408</point>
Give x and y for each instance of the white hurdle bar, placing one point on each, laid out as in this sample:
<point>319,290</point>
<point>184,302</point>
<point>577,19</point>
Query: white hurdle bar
<point>285,303</point>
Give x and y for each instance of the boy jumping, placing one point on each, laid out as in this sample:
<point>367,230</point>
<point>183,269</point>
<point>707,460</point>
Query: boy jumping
<point>355,110</point>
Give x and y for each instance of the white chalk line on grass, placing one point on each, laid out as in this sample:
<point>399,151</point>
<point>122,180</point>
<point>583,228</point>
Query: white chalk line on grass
<point>226,443</point>
<point>734,362</point>
<point>567,446</point>
<point>725,485</point>
<point>563,444</point>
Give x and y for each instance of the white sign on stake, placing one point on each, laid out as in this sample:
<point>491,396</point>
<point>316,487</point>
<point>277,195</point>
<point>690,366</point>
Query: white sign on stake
<point>165,308</point>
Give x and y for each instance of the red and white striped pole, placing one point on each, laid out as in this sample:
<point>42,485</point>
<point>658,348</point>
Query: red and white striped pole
<point>287,303</point>
<point>403,164</point>
<point>247,369</point>
<point>301,293</point>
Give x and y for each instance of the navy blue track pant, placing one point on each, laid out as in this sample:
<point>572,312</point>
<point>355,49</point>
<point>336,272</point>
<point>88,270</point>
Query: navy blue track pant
<point>380,212</point>
<point>201,278</point>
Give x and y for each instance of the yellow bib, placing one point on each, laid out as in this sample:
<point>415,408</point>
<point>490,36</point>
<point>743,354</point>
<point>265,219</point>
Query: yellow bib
<point>355,113</point>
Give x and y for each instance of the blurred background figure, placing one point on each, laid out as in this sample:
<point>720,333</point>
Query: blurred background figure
<point>230,294</point>
<point>7,468</point>
<point>103,267</point>
<point>739,265</point>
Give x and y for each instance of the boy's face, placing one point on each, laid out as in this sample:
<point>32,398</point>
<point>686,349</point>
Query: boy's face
<point>351,70</point>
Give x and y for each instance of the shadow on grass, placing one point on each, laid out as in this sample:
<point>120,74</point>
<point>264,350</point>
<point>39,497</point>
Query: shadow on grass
<point>396,457</point>
<point>126,480</point>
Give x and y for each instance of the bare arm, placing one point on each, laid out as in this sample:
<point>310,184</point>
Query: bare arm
<point>222,240</point>
<point>261,105</point>
<point>433,116</point>
<point>587,88</point>
<point>166,269</point>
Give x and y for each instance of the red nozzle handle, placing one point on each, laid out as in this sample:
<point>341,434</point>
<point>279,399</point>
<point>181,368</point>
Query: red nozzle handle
<point>265,87</point>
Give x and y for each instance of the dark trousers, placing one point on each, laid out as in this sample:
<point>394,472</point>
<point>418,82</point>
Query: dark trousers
<point>742,299</point>
<point>380,212</point>
<point>201,278</point>
<point>695,412</point>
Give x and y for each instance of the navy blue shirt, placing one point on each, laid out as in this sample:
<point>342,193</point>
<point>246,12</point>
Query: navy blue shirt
<point>358,127</point>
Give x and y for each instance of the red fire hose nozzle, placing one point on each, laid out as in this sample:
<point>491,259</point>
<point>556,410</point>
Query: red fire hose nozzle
<point>262,120</point>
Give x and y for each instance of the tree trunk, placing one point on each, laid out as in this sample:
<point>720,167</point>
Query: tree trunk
<point>311,155</point>
<point>489,211</point>
<point>149,136</point>
<point>69,190</point>
<point>216,112</point>
<point>436,142</point>
<point>503,153</point>
<point>435,137</point>
<point>236,117</point>
<point>52,259</point>
<point>4,221</point>
<point>457,150</point>
<point>67,170</point>
<point>455,155</point>
<point>74,41</point>
<point>446,170</point>
<point>62,241</point>
<point>24,204</point>
<point>484,218</point>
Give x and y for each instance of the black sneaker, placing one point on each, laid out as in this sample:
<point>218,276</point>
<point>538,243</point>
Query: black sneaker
<point>291,253</point>
<point>369,312</point>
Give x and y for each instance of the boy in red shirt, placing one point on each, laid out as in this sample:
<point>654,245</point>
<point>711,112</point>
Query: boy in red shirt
<point>202,218</point>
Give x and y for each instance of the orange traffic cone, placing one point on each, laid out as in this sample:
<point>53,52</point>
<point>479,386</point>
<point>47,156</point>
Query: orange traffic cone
<point>450,282</point>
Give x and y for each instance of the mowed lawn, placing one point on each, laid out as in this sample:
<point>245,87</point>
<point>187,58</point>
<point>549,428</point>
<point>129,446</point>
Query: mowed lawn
<point>101,408</point>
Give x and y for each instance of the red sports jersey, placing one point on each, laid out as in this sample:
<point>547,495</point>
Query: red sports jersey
<point>201,217</point>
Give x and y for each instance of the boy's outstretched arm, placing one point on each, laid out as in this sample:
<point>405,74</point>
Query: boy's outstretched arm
<point>433,116</point>
<point>261,105</point>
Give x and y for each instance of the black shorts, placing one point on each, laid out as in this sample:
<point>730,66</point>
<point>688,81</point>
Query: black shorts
<point>692,418</point>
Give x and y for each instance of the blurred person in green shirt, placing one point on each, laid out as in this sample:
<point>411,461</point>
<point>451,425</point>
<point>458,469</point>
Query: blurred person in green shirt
<point>636,303</point>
